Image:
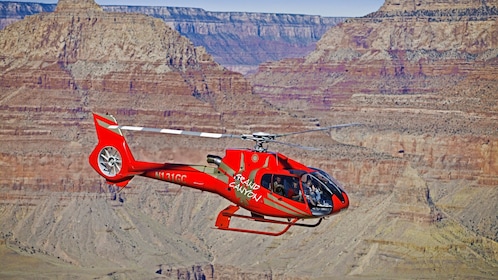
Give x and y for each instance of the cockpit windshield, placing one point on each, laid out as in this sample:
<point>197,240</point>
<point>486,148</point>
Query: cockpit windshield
<point>316,188</point>
<point>328,182</point>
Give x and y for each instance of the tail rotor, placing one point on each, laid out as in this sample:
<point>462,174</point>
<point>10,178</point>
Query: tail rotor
<point>111,158</point>
<point>110,161</point>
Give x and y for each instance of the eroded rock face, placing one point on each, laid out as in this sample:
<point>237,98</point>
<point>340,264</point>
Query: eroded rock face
<point>56,68</point>
<point>88,44</point>
<point>421,170</point>
<point>422,77</point>
<point>77,5</point>
<point>396,6</point>
<point>389,54</point>
<point>241,41</point>
<point>237,40</point>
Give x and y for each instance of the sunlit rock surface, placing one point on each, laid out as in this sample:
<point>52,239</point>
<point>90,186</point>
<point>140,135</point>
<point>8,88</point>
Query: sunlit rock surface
<point>421,170</point>
<point>237,40</point>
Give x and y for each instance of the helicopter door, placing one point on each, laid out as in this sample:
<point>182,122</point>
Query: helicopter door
<point>282,185</point>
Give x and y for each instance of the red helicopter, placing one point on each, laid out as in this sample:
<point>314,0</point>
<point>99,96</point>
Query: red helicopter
<point>268,184</point>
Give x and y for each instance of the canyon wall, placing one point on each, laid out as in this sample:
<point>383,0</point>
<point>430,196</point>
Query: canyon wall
<point>417,52</point>
<point>239,41</point>
<point>440,7</point>
<point>422,77</point>
<point>420,170</point>
<point>58,67</point>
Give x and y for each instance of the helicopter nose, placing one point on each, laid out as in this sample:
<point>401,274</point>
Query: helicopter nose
<point>339,204</point>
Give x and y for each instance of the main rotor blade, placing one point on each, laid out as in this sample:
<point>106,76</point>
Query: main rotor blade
<point>318,129</point>
<point>295,145</point>
<point>173,131</point>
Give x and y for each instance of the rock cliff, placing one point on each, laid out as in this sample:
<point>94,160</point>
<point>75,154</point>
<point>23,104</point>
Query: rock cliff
<point>421,171</point>
<point>437,7</point>
<point>415,52</point>
<point>58,67</point>
<point>422,76</point>
<point>239,41</point>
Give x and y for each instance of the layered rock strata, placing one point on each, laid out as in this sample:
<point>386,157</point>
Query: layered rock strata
<point>420,171</point>
<point>422,77</point>
<point>58,67</point>
<point>416,52</point>
<point>237,40</point>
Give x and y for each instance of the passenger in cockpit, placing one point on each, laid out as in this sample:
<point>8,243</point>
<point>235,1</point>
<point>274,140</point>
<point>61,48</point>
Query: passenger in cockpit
<point>278,186</point>
<point>316,194</point>
<point>310,197</point>
<point>294,193</point>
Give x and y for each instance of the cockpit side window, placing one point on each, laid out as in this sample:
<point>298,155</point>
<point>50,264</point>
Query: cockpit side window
<point>277,185</point>
<point>283,185</point>
<point>266,181</point>
<point>294,191</point>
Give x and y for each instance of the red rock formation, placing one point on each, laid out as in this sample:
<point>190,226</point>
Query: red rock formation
<point>394,6</point>
<point>76,5</point>
<point>56,68</point>
<point>419,51</point>
<point>236,40</point>
<point>421,171</point>
<point>422,76</point>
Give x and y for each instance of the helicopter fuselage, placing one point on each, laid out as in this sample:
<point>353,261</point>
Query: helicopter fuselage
<point>248,178</point>
<point>265,183</point>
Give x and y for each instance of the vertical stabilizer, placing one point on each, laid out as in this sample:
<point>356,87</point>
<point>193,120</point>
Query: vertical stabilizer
<point>111,158</point>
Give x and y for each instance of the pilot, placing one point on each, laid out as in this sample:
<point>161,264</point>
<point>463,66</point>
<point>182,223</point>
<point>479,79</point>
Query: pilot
<point>308,191</point>
<point>278,186</point>
<point>316,194</point>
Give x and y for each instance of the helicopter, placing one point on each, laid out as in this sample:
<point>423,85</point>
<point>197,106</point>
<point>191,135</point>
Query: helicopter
<point>273,187</point>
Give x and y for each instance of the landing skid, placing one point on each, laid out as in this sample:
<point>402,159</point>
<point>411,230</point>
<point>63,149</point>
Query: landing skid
<point>224,217</point>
